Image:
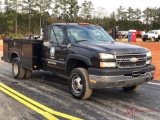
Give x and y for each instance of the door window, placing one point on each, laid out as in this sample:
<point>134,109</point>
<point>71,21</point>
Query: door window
<point>57,33</point>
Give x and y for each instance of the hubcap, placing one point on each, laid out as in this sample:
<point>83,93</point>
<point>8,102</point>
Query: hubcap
<point>77,85</point>
<point>15,68</point>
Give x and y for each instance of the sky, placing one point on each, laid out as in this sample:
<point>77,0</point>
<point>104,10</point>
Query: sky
<point>112,5</point>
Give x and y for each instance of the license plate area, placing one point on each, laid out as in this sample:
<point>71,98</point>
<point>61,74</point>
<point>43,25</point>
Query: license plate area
<point>136,73</point>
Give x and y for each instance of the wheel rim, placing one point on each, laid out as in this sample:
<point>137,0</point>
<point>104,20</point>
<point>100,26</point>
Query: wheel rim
<point>77,85</point>
<point>15,68</point>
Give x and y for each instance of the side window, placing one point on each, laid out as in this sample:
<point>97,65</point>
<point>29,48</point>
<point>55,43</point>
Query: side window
<point>56,32</point>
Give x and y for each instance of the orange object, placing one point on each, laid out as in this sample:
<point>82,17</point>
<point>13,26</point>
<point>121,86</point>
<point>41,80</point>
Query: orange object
<point>35,67</point>
<point>83,23</point>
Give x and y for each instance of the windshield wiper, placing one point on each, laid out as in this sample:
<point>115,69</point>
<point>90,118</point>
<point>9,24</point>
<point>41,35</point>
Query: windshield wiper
<point>80,40</point>
<point>113,41</point>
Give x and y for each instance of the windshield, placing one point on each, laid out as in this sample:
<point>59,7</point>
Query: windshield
<point>151,31</point>
<point>87,33</point>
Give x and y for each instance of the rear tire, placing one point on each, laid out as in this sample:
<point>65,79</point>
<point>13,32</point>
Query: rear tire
<point>157,40</point>
<point>28,73</point>
<point>131,88</point>
<point>17,71</point>
<point>79,84</point>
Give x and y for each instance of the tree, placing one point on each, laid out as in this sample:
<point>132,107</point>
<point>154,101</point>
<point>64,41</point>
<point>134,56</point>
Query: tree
<point>73,10</point>
<point>15,6</point>
<point>112,20</point>
<point>130,12</point>
<point>149,14</point>
<point>66,10</point>
<point>99,14</point>
<point>63,10</point>
<point>43,6</point>
<point>28,7</point>
<point>137,13</point>
<point>86,9</point>
<point>56,11</point>
<point>121,14</point>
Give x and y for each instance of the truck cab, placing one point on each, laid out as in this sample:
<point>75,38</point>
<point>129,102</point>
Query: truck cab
<point>153,35</point>
<point>83,52</point>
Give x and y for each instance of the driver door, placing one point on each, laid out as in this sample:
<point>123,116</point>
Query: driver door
<point>54,54</point>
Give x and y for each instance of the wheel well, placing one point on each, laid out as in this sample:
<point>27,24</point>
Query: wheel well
<point>13,56</point>
<point>73,63</point>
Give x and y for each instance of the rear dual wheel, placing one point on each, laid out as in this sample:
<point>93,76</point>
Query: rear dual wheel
<point>19,72</point>
<point>28,73</point>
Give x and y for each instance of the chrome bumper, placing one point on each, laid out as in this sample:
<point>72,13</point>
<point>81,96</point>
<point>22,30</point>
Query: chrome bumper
<point>118,81</point>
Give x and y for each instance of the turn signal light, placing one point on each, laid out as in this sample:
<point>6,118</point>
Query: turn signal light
<point>35,67</point>
<point>83,23</point>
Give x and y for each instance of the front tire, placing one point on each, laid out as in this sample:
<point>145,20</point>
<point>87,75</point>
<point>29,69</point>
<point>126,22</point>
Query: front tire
<point>153,39</point>
<point>79,84</point>
<point>131,88</point>
<point>17,71</point>
<point>144,40</point>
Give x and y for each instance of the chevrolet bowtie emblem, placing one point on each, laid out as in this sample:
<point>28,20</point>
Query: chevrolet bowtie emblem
<point>133,60</point>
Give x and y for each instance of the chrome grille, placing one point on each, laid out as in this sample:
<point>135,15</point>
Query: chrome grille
<point>125,61</point>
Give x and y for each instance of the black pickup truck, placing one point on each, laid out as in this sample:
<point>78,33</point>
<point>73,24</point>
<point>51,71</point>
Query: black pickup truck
<point>85,53</point>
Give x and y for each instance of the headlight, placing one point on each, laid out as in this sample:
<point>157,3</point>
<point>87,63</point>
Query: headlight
<point>149,58</point>
<point>108,64</point>
<point>106,56</point>
<point>149,54</point>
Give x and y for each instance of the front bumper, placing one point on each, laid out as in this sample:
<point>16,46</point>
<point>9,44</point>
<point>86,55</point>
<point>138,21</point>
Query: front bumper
<point>109,78</point>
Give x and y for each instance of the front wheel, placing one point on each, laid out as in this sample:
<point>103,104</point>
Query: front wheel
<point>132,88</point>
<point>17,71</point>
<point>144,40</point>
<point>79,84</point>
<point>153,39</point>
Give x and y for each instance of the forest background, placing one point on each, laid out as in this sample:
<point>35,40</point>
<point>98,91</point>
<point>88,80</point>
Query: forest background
<point>19,18</point>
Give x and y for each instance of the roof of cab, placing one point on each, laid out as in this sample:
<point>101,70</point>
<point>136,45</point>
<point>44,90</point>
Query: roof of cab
<point>66,24</point>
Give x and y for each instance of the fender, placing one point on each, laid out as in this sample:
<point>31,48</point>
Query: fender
<point>10,58</point>
<point>78,57</point>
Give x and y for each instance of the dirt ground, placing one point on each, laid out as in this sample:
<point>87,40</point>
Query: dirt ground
<point>154,47</point>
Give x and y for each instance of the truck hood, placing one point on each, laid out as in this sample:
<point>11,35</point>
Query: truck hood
<point>112,48</point>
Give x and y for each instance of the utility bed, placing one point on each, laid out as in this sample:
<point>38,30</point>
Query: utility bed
<point>29,51</point>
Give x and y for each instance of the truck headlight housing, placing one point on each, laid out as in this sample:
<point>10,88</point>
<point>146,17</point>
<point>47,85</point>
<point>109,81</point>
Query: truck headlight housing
<point>149,57</point>
<point>149,54</point>
<point>108,64</point>
<point>110,57</point>
<point>106,56</point>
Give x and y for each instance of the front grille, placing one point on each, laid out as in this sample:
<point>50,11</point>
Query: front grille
<point>126,57</point>
<point>131,60</point>
<point>145,36</point>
